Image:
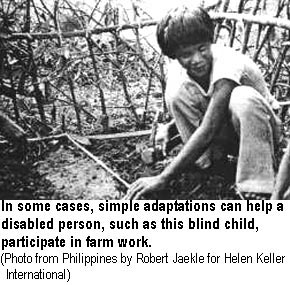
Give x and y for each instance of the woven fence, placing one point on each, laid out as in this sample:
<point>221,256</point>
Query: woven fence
<point>68,65</point>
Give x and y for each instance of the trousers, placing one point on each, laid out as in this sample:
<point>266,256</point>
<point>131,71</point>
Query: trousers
<point>251,125</point>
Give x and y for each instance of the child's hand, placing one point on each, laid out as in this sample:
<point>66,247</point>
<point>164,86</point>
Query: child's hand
<point>145,185</point>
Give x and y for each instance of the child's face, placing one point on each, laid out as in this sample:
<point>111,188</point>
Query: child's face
<point>196,59</point>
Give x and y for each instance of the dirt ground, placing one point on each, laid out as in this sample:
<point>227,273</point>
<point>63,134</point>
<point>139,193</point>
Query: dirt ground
<point>58,170</point>
<point>74,176</point>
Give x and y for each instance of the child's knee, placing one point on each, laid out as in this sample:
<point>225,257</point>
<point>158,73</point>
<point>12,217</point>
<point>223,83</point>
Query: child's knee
<point>244,100</point>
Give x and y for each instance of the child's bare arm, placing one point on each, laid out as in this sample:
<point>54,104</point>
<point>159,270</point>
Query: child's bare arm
<point>196,145</point>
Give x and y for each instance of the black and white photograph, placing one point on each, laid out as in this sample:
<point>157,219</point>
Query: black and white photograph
<point>142,99</point>
<point>144,142</point>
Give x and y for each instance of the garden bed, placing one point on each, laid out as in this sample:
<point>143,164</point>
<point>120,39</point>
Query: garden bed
<point>59,170</point>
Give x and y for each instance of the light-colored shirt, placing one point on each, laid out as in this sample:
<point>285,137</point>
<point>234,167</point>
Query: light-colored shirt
<point>227,64</point>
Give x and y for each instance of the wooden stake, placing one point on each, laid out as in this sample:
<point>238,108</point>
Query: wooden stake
<point>78,116</point>
<point>99,162</point>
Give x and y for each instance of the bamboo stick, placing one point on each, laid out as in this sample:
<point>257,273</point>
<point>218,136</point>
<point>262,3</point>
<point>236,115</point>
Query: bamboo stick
<point>99,162</point>
<point>90,43</point>
<point>96,73</point>
<point>36,11</point>
<point>79,106</point>
<point>127,95</point>
<point>123,80</point>
<point>115,136</point>
<point>81,33</point>
<point>280,59</point>
<point>234,27</point>
<point>277,67</point>
<point>14,97</point>
<point>40,139</point>
<point>248,28</point>
<point>101,92</point>
<point>119,135</point>
<point>137,34</point>
<point>258,37</point>
<point>37,93</point>
<point>147,98</point>
<point>148,91</point>
<point>267,34</point>
<point>163,84</point>
<point>143,60</point>
<point>224,8</point>
<point>263,20</point>
<point>71,86</point>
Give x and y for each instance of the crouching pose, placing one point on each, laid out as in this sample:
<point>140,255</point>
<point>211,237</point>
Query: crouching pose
<point>217,97</point>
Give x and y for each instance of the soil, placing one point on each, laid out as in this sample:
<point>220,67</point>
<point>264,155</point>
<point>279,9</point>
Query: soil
<point>73,176</point>
<point>58,170</point>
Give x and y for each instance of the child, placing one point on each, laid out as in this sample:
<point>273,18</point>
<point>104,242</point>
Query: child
<point>214,95</point>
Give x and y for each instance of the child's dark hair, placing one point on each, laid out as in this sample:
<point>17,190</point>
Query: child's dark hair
<point>183,26</point>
